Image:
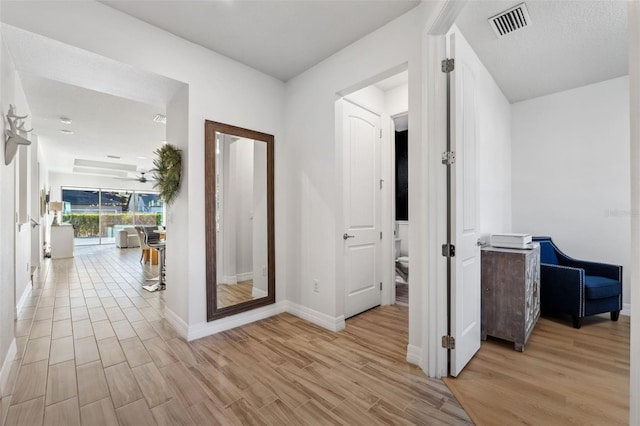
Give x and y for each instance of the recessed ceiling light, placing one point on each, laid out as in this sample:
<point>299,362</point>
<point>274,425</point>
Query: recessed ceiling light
<point>67,131</point>
<point>159,118</point>
<point>65,120</point>
<point>115,157</point>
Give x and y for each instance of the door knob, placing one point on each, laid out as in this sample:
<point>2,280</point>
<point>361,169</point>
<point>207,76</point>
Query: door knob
<point>346,236</point>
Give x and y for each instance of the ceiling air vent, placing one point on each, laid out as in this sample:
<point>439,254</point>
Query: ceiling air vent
<point>510,20</point>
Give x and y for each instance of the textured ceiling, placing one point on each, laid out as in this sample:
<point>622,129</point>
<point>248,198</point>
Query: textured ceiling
<point>279,38</point>
<point>570,44</point>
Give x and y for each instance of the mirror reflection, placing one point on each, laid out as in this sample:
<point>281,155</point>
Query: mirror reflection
<point>239,219</point>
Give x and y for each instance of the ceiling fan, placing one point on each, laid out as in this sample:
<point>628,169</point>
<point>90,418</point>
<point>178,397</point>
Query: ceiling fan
<point>142,178</point>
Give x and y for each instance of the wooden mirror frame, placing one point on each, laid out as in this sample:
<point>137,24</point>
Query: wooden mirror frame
<point>210,129</point>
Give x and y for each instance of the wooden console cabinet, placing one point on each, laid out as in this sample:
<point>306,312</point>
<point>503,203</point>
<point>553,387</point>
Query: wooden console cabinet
<point>510,293</point>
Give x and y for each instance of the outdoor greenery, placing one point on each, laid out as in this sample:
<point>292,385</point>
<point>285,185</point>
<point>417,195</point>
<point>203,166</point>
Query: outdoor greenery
<point>87,225</point>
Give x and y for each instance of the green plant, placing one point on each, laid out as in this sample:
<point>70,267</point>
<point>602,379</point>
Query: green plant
<point>167,172</point>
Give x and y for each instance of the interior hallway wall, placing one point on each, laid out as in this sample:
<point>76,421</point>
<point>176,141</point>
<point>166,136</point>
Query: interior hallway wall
<point>571,177</point>
<point>220,89</point>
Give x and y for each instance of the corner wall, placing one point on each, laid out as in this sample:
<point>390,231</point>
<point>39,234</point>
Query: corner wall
<point>571,174</point>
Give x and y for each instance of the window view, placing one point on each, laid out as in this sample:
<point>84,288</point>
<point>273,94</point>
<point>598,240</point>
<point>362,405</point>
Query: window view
<point>97,215</point>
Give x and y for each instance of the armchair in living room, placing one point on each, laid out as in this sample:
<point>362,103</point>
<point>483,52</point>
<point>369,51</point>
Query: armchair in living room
<point>575,287</point>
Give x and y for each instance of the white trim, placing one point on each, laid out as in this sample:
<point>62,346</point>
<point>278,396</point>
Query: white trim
<point>203,329</point>
<point>414,354</point>
<point>6,367</point>
<point>318,318</point>
<point>626,309</point>
<point>25,296</point>
<point>177,322</point>
<point>244,276</point>
<point>257,293</point>
<point>229,279</point>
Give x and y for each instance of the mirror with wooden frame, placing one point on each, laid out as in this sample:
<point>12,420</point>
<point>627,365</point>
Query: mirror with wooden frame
<point>240,249</point>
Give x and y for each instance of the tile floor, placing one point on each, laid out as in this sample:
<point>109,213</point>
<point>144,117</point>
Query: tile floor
<point>94,349</point>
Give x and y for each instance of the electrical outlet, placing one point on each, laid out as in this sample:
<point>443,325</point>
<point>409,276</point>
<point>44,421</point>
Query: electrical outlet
<point>316,287</point>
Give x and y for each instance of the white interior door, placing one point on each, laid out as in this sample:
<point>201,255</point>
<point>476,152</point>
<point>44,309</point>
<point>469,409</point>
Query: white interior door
<point>361,185</point>
<point>465,279</point>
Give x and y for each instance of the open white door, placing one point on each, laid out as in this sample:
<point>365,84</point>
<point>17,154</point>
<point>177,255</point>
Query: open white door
<point>465,303</point>
<point>361,192</point>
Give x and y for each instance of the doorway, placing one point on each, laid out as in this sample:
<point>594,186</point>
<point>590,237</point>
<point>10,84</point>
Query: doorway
<point>369,267</point>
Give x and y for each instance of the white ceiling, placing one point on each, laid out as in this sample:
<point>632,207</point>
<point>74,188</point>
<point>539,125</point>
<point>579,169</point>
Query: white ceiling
<point>111,104</point>
<point>569,44</point>
<point>281,38</point>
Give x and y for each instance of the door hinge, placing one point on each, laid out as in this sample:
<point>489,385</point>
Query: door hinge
<point>448,157</point>
<point>380,235</point>
<point>381,133</point>
<point>448,65</point>
<point>448,250</point>
<point>380,286</point>
<point>448,342</point>
<point>381,183</point>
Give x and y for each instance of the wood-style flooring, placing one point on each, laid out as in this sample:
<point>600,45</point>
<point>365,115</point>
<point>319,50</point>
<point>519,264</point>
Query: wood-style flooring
<point>95,349</point>
<point>565,376</point>
<point>232,294</point>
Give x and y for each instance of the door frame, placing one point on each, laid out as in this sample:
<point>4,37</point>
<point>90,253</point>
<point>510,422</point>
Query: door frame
<point>433,357</point>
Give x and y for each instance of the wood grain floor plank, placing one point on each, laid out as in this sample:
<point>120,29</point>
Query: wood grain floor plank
<point>62,413</point>
<point>31,382</point>
<point>61,382</point>
<point>188,390</point>
<point>37,350</point>
<point>86,350</point>
<point>99,413</point>
<point>558,354</point>
<point>110,352</point>
<point>135,351</point>
<point>92,384</point>
<point>135,414</point>
<point>172,413</point>
<point>122,385</point>
<point>29,413</point>
<point>153,385</point>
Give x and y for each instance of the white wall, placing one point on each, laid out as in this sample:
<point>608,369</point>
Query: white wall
<point>15,247</point>
<point>493,149</point>
<point>314,163</point>
<point>571,176</point>
<point>219,89</point>
<point>7,211</point>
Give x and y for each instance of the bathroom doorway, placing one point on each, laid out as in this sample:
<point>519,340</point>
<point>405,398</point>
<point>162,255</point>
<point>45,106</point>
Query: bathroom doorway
<point>401,208</point>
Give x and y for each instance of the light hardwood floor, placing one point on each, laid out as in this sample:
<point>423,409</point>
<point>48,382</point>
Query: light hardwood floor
<point>565,376</point>
<point>94,349</point>
<point>229,295</point>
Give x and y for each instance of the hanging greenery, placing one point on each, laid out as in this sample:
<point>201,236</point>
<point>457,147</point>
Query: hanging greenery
<point>167,171</point>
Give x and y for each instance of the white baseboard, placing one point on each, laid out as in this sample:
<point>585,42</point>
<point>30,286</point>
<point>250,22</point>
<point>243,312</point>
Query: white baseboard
<point>244,276</point>
<point>208,328</point>
<point>318,318</point>
<point>414,354</point>
<point>178,323</point>
<point>229,279</point>
<point>626,309</point>
<point>23,299</point>
<point>256,293</point>
<point>6,367</point>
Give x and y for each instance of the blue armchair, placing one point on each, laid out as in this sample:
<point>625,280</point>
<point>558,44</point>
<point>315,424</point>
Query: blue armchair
<point>575,287</point>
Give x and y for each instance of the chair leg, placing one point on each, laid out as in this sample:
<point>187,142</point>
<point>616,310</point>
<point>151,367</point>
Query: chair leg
<point>615,315</point>
<point>577,322</point>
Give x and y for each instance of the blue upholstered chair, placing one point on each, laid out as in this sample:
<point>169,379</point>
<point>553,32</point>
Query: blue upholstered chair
<point>576,287</point>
